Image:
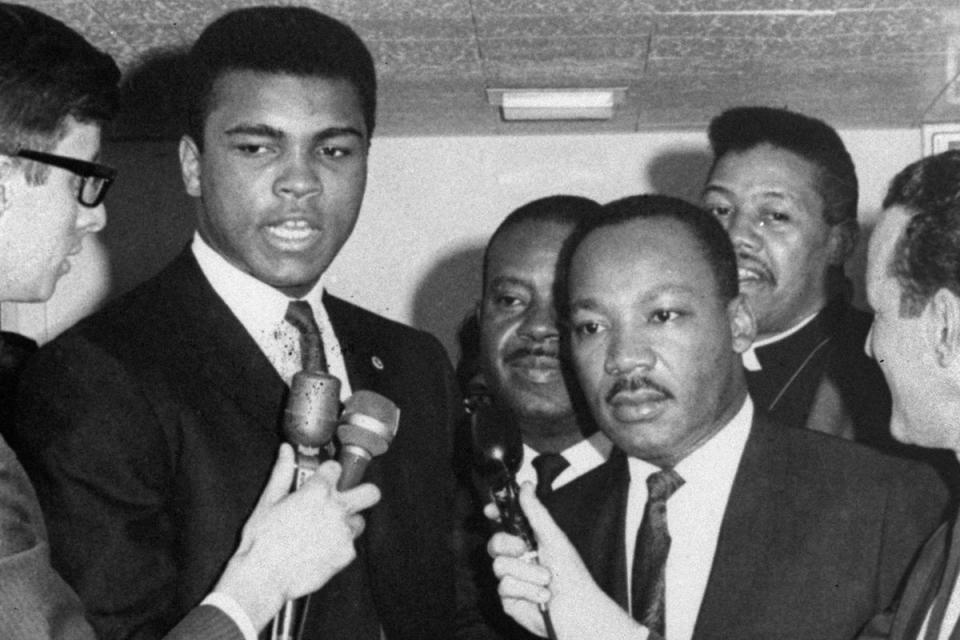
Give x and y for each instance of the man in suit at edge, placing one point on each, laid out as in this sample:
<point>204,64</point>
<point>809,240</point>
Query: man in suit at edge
<point>913,286</point>
<point>55,92</point>
<point>784,187</point>
<point>769,532</point>
<point>161,432</point>
<point>522,365</point>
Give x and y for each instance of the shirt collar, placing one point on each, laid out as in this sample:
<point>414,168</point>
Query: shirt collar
<point>257,305</point>
<point>750,359</point>
<point>715,462</point>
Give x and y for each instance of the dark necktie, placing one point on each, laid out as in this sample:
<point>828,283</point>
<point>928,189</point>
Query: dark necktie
<point>300,315</point>
<point>548,467</point>
<point>650,553</point>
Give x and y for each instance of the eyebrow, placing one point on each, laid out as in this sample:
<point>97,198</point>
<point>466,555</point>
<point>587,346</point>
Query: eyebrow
<point>278,134</point>
<point>592,304</point>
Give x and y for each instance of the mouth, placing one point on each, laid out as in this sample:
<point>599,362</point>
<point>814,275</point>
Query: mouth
<point>750,271</point>
<point>637,400</point>
<point>538,368</point>
<point>292,234</point>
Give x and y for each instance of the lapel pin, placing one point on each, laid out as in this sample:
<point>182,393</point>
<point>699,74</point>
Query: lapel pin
<point>377,363</point>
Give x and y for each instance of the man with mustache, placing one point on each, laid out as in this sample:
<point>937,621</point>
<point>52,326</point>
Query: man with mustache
<point>709,521</point>
<point>522,365</point>
<point>151,426</point>
<point>785,189</point>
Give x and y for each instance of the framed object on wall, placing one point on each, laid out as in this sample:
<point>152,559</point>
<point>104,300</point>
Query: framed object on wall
<point>940,137</point>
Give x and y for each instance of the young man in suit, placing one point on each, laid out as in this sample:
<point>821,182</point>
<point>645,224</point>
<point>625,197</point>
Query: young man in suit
<point>914,288</point>
<point>161,432</point>
<point>56,91</point>
<point>709,520</point>
<point>784,187</point>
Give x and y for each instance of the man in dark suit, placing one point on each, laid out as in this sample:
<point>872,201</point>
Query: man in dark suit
<point>522,366</point>
<point>784,187</point>
<point>151,426</point>
<point>57,91</point>
<point>914,288</point>
<point>710,521</point>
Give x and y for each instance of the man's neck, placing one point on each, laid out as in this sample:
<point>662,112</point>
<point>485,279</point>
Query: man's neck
<point>546,436</point>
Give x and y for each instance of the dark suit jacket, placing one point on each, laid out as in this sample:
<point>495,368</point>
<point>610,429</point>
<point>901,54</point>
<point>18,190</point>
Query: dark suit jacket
<point>151,427</point>
<point>905,621</point>
<point>814,542</point>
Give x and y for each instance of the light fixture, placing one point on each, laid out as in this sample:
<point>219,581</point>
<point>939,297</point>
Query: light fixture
<point>557,104</point>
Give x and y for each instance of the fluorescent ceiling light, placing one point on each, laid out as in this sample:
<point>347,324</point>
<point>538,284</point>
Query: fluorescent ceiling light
<point>557,104</point>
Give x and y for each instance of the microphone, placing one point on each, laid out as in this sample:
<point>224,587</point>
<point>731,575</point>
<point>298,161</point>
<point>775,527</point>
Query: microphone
<point>309,420</point>
<point>498,452</point>
<point>367,427</point>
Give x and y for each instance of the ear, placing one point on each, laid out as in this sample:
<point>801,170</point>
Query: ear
<point>842,241</point>
<point>743,327</point>
<point>190,166</point>
<point>944,315</point>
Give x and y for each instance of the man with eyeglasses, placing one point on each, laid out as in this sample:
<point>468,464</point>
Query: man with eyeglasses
<point>55,93</point>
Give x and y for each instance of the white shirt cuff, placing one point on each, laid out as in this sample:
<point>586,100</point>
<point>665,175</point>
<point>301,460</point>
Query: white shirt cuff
<point>233,611</point>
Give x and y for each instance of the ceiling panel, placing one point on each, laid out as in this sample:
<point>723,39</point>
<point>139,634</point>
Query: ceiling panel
<point>852,62</point>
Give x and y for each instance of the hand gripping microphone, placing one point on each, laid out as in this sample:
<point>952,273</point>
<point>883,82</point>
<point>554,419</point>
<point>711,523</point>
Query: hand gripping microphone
<point>367,427</point>
<point>498,452</point>
<point>309,420</point>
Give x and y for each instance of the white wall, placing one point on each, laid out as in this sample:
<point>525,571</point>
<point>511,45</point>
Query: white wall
<point>430,205</point>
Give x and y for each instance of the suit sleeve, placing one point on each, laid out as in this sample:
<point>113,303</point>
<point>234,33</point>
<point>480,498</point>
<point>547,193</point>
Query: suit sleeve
<point>35,602</point>
<point>95,449</point>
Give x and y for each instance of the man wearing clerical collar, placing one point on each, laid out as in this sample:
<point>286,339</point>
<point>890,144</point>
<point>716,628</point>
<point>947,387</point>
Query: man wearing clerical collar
<point>784,187</point>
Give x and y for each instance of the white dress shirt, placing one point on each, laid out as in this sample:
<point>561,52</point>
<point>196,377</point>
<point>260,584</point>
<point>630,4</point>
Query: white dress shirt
<point>750,360</point>
<point>951,617</point>
<point>583,456</point>
<point>260,309</point>
<point>694,515</point>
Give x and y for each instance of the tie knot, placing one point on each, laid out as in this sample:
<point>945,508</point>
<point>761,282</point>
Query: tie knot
<point>548,467</point>
<point>662,484</point>
<point>300,315</point>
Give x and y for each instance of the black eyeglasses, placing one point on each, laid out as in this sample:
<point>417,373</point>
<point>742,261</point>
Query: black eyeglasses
<point>95,179</point>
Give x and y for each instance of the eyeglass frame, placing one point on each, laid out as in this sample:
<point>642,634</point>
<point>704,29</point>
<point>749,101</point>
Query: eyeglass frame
<point>81,168</point>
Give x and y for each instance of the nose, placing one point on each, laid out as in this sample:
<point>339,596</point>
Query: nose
<point>91,219</point>
<point>299,178</point>
<point>868,343</point>
<point>540,322</point>
<point>742,228</point>
<point>628,351</point>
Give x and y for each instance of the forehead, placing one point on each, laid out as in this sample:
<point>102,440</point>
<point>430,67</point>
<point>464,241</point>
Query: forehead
<point>527,246</point>
<point>766,168</point>
<point>284,101</point>
<point>641,256</point>
<point>81,140</point>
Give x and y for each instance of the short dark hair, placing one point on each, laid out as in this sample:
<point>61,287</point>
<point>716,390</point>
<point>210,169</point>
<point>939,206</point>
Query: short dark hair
<point>705,228</point>
<point>743,128</point>
<point>48,72</point>
<point>926,258</point>
<point>296,41</point>
<point>558,209</point>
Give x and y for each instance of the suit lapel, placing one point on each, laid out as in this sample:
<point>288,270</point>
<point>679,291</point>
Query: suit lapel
<point>591,511</point>
<point>225,354</point>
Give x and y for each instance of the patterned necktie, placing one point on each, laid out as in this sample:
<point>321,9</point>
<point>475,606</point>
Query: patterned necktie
<point>650,553</point>
<point>300,315</point>
<point>548,467</point>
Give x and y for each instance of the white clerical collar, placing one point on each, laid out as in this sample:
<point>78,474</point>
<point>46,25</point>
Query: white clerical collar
<point>714,462</point>
<point>750,360</point>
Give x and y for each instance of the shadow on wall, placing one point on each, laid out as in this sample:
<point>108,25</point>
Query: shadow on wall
<point>447,294</point>
<point>150,215</point>
<point>680,173</point>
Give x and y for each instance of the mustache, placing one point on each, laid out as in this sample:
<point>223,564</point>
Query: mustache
<point>536,351</point>
<point>636,383</point>
<point>746,261</point>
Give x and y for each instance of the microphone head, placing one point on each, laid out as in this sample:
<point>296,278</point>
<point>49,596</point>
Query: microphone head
<point>369,421</point>
<point>497,442</point>
<point>313,406</point>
